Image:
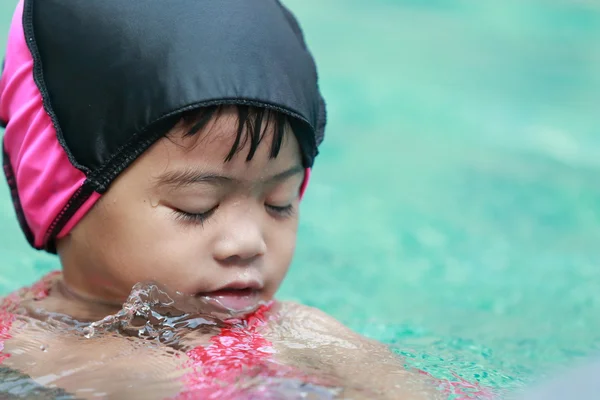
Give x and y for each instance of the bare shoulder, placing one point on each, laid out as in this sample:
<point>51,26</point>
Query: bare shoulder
<point>328,343</point>
<point>297,310</point>
<point>312,316</point>
<point>319,322</point>
<point>316,329</point>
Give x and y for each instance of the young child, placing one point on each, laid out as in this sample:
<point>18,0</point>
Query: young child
<point>169,142</point>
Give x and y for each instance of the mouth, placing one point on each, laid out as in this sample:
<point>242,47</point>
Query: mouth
<point>236,298</point>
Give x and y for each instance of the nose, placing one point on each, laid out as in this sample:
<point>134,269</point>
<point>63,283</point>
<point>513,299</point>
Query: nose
<point>241,243</point>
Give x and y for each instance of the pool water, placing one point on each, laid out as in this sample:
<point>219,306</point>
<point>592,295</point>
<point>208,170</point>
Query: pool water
<point>454,209</point>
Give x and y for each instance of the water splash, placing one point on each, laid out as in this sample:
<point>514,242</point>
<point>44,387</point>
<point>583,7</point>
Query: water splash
<point>151,312</point>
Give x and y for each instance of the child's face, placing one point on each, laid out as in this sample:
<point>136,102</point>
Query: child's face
<point>149,226</point>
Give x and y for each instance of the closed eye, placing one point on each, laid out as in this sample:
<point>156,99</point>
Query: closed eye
<point>281,211</point>
<point>194,218</point>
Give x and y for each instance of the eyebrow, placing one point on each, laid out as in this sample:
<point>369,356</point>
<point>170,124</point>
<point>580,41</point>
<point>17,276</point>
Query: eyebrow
<point>188,177</point>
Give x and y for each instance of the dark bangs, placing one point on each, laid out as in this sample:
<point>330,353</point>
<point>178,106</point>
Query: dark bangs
<point>252,125</point>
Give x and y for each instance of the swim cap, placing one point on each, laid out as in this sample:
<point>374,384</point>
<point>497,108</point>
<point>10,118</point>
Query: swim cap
<point>88,86</point>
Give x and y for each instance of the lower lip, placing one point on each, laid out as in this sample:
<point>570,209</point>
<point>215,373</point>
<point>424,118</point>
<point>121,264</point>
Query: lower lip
<point>234,301</point>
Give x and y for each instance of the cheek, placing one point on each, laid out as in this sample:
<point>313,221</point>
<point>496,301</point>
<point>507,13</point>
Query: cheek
<point>281,245</point>
<point>138,242</point>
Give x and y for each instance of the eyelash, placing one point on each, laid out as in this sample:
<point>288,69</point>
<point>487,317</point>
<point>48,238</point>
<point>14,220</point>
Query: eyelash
<point>283,212</point>
<point>193,217</point>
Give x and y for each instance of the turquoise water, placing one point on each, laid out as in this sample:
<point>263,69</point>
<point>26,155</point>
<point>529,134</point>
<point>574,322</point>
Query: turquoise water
<point>455,207</point>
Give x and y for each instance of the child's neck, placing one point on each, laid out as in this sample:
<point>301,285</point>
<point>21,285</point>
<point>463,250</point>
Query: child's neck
<point>63,299</point>
<point>71,294</point>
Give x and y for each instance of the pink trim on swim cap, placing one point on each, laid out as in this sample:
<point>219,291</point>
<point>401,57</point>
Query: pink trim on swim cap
<point>79,214</point>
<point>307,172</point>
<point>45,178</point>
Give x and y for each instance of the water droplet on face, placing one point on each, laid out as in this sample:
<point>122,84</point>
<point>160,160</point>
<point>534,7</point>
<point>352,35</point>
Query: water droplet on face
<point>44,348</point>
